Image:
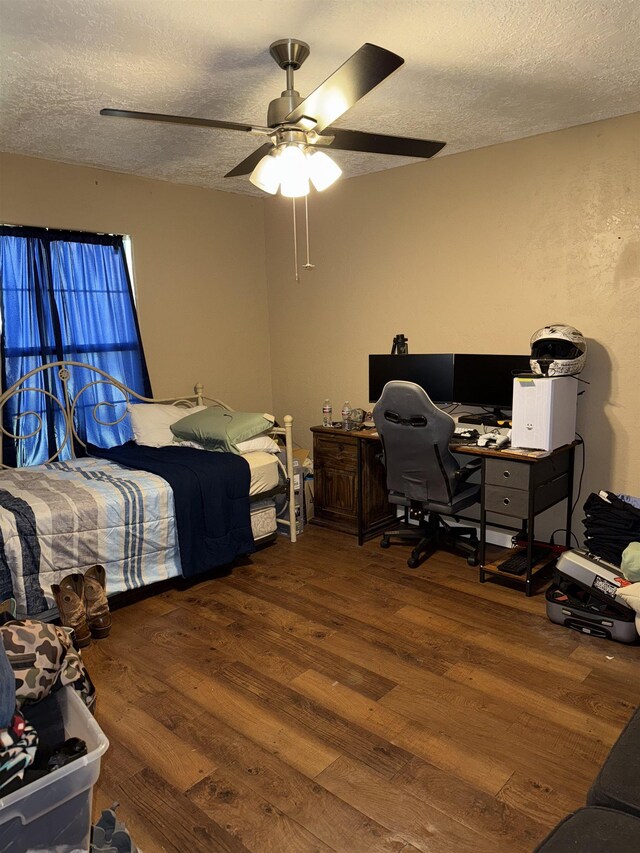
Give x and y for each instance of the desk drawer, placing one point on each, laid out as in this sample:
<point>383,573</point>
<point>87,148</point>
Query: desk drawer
<point>511,502</point>
<point>523,475</point>
<point>515,502</point>
<point>335,453</point>
<point>507,473</point>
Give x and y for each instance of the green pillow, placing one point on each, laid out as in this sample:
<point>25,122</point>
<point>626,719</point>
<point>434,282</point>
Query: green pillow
<point>219,429</point>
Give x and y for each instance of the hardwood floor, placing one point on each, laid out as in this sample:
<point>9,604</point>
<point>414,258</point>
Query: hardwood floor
<point>324,697</point>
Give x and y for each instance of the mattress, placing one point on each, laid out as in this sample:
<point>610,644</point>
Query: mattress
<point>265,471</point>
<point>263,519</point>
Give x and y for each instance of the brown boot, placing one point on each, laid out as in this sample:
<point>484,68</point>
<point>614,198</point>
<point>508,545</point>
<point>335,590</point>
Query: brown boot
<point>95,599</point>
<point>69,599</point>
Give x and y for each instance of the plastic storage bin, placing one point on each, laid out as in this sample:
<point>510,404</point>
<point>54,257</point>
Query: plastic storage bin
<point>54,812</point>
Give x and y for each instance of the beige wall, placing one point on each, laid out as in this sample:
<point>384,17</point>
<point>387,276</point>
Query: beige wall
<point>472,253</point>
<point>199,267</point>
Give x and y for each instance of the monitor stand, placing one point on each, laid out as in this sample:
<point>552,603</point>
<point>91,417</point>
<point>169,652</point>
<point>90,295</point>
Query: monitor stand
<point>497,418</point>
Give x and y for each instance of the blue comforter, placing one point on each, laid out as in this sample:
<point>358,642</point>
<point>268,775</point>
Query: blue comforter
<point>211,495</point>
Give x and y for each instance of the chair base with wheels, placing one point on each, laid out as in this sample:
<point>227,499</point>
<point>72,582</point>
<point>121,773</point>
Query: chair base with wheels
<point>423,476</point>
<point>432,534</point>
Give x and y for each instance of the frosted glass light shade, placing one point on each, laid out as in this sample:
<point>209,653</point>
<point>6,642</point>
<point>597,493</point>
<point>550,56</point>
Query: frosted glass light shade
<point>294,172</point>
<point>322,170</point>
<point>266,175</point>
<point>289,169</point>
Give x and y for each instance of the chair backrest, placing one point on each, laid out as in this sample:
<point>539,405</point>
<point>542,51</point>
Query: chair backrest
<point>415,436</point>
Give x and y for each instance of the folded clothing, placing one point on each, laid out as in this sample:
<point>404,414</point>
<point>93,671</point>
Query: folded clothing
<point>18,745</point>
<point>611,524</point>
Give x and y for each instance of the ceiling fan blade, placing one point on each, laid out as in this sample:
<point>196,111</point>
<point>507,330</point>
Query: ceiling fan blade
<point>196,122</point>
<point>358,75</point>
<point>377,143</point>
<point>249,163</point>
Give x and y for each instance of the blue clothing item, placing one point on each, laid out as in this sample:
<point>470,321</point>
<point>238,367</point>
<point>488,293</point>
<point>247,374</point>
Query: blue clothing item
<point>630,500</point>
<point>7,689</point>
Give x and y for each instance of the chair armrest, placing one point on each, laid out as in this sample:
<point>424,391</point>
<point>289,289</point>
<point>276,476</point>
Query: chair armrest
<point>470,468</point>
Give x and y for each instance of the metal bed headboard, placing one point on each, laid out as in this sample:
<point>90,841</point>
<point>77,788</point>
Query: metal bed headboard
<point>68,402</point>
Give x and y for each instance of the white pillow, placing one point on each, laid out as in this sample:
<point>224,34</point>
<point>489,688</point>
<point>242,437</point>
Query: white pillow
<point>260,442</point>
<point>151,422</point>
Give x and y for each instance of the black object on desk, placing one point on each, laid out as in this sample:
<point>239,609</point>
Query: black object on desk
<point>463,439</point>
<point>486,419</point>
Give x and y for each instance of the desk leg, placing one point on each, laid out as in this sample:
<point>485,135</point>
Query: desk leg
<point>572,457</point>
<point>359,475</point>
<point>530,539</point>
<point>483,527</point>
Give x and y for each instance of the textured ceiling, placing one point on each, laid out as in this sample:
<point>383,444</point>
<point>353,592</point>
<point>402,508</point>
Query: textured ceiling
<point>476,73</point>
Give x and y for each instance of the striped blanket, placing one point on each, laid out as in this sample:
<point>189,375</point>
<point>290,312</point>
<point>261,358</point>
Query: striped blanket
<point>64,517</point>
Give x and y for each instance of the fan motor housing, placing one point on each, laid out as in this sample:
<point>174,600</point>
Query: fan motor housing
<point>280,107</point>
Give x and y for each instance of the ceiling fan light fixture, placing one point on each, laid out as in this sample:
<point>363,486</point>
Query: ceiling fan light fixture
<point>323,171</point>
<point>266,175</point>
<point>294,172</point>
<point>294,186</point>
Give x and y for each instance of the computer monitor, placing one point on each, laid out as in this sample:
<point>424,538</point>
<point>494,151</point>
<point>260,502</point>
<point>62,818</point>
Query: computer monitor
<point>433,372</point>
<point>482,381</point>
<point>486,381</point>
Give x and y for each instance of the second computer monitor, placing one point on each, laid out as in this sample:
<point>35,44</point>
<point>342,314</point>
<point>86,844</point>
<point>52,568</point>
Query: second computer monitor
<point>487,380</point>
<point>433,372</point>
<point>483,381</point>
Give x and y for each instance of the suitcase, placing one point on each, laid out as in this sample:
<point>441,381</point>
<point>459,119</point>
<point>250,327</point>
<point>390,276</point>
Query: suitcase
<point>592,572</point>
<point>588,610</point>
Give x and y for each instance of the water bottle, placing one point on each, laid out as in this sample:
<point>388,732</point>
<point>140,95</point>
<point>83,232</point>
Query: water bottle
<point>327,414</point>
<point>346,414</point>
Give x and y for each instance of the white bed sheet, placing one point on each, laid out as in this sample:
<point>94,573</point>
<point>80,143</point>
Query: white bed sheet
<point>265,471</point>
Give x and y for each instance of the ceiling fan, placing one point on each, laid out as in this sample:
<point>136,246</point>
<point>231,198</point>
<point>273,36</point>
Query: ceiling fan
<point>298,127</point>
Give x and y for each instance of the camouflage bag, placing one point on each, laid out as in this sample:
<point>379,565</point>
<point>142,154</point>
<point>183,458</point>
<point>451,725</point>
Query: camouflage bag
<point>43,659</point>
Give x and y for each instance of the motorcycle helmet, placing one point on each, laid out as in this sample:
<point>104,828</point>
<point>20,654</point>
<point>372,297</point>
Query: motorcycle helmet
<point>558,350</point>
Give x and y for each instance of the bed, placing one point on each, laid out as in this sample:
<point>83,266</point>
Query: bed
<point>145,512</point>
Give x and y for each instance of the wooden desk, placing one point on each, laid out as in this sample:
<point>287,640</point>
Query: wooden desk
<point>350,490</point>
<point>521,487</point>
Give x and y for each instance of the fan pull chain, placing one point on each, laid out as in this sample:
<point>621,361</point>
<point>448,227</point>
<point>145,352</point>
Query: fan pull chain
<point>295,239</point>
<point>308,265</point>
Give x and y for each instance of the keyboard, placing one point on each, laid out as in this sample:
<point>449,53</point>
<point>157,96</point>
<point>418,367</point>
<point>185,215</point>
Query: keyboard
<point>516,564</point>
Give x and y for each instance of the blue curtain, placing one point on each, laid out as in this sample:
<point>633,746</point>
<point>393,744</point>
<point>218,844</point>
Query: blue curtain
<point>66,295</point>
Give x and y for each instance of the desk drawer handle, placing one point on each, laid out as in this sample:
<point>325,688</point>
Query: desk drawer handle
<point>506,474</point>
<point>506,501</point>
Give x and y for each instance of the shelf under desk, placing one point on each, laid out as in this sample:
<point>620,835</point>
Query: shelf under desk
<point>521,485</point>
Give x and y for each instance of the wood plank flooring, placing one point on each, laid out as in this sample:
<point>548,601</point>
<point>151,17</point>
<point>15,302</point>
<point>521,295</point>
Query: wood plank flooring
<point>324,697</point>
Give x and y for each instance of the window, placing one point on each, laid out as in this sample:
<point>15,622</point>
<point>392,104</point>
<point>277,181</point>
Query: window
<point>66,295</point>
